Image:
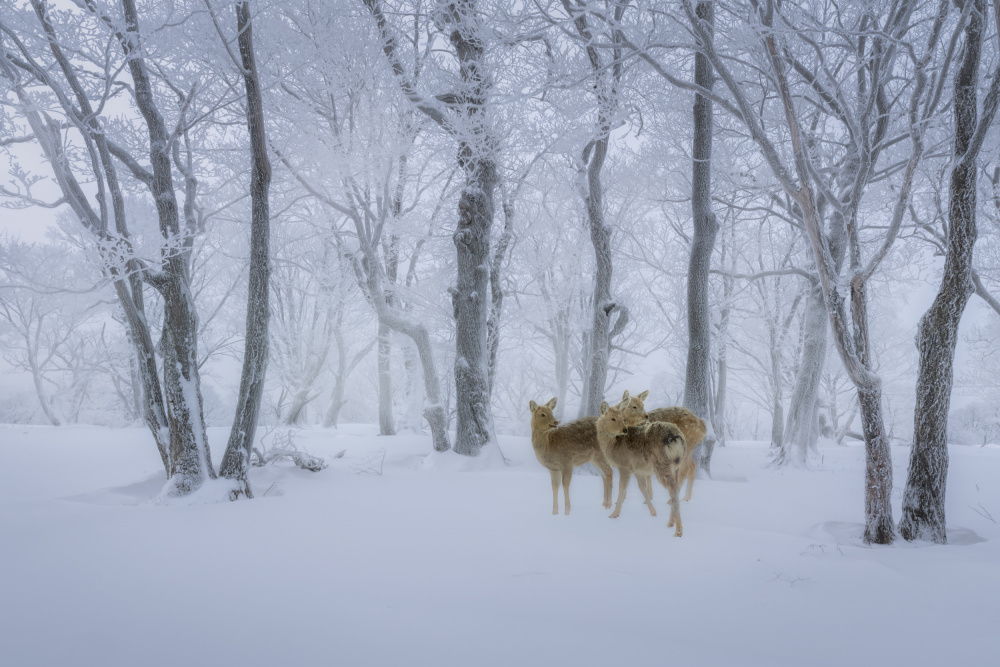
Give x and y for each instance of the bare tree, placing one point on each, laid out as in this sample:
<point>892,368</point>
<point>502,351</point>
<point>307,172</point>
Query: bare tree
<point>866,118</point>
<point>937,334</point>
<point>607,69</point>
<point>44,332</point>
<point>463,113</point>
<point>236,460</point>
<point>706,226</point>
<point>173,413</point>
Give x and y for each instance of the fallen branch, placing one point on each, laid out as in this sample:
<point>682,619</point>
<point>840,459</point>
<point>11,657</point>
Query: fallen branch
<point>299,458</point>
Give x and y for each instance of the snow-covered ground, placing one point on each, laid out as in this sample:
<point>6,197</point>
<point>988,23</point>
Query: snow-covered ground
<point>412,560</point>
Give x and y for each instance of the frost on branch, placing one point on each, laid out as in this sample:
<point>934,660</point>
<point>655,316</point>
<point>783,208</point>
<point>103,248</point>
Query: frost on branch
<point>284,448</point>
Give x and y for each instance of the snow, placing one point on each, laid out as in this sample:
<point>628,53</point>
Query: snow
<point>412,558</point>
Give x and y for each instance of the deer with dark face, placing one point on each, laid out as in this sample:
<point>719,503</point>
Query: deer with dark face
<point>643,450</point>
<point>561,448</point>
<point>690,424</point>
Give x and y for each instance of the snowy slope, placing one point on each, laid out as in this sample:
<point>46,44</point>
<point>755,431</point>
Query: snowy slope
<point>426,563</point>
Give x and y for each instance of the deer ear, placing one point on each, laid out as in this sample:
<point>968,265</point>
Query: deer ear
<point>532,406</point>
<point>551,404</point>
<point>604,407</point>
<point>625,395</point>
<point>643,395</point>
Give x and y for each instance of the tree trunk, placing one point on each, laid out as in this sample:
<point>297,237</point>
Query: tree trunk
<point>434,411</point>
<point>600,236</point>
<point>386,423</point>
<point>236,460</point>
<point>189,454</point>
<point>153,410</point>
<point>496,290</point>
<point>477,148</point>
<point>337,397</point>
<point>878,468</point>
<point>799,428</point>
<point>719,408</point>
<point>606,80</point>
<point>412,411</point>
<point>560,349</point>
<point>135,380</point>
<point>128,289</point>
<point>706,226</point>
<point>465,119</point>
<point>190,458</point>
<point>937,334</point>
<point>296,415</point>
<point>728,286</point>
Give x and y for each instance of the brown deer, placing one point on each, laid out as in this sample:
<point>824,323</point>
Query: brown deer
<point>643,450</point>
<point>561,448</point>
<point>690,424</point>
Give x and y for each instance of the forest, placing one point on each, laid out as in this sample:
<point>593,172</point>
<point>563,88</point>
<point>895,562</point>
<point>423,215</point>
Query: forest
<point>257,225</point>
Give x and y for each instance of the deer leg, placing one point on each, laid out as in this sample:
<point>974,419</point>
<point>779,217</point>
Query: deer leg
<point>607,476</point>
<point>556,478</point>
<point>675,510</point>
<point>675,507</point>
<point>567,477</point>
<point>623,478</point>
<point>644,486</point>
<point>690,479</point>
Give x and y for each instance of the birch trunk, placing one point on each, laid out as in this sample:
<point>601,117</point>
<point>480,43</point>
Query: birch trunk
<point>696,384</point>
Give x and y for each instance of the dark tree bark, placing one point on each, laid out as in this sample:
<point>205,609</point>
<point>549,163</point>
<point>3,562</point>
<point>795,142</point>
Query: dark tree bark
<point>803,184</point>
<point>474,417</point>
<point>236,460</point>
<point>937,334</point>
<point>190,457</point>
<point>463,114</point>
<point>476,151</point>
<point>706,226</point>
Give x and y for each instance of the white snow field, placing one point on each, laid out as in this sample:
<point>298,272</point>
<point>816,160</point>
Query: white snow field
<point>431,564</point>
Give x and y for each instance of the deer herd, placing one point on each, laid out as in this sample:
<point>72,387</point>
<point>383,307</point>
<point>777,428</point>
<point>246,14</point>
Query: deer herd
<point>625,437</point>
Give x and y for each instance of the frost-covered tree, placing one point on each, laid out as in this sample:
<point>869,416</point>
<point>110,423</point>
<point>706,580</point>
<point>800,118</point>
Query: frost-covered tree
<point>63,79</point>
<point>937,334</point>
<point>463,112</point>
<point>236,460</point>
<point>45,328</point>
<point>786,36</point>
